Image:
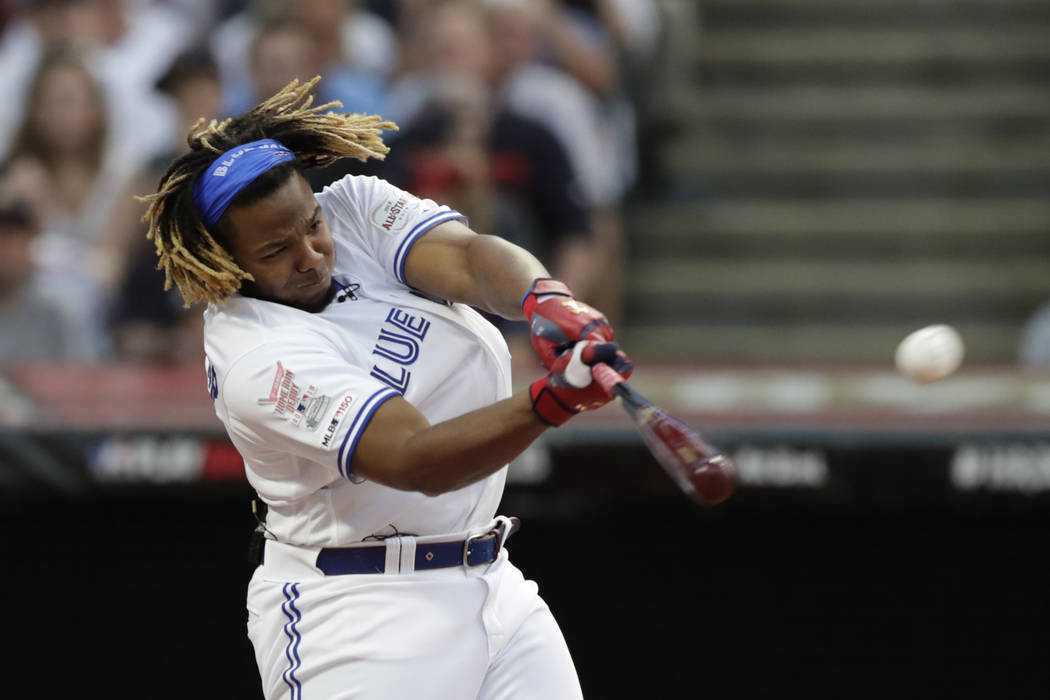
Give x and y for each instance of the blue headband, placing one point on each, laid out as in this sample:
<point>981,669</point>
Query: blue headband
<point>232,172</point>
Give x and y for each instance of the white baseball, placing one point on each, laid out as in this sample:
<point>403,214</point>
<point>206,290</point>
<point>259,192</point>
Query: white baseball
<point>930,353</point>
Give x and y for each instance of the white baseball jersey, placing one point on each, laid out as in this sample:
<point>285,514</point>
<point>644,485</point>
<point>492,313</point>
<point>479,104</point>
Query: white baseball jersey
<point>296,390</point>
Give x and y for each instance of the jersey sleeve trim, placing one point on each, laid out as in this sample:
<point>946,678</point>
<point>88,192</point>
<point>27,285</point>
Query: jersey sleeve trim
<point>357,427</point>
<point>410,240</point>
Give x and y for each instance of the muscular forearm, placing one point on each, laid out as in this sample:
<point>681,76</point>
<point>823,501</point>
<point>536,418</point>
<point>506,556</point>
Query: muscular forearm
<point>449,455</point>
<point>502,272</point>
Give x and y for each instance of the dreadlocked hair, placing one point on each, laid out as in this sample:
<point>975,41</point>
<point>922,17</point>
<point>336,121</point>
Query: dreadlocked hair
<point>192,259</point>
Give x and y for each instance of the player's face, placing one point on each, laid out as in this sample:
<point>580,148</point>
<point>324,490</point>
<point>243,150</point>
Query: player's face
<point>284,242</point>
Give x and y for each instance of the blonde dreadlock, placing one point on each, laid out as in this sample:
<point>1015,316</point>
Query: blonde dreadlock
<point>191,258</point>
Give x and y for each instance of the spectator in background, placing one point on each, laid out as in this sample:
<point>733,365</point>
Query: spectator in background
<point>438,40</point>
<point>574,39</point>
<point>343,36</point>
<point>620,51</point>
<point>645,45</point>
<point>6,11</point>
<point>194,85</point>
<point>33,325</point>
<point>345,33</point>
<point>127,44</point>
<point>531,64</point>
<point>594,129</point>
<point>66,165</point>
<point>505,173</point>
<point>283,50</point>
<point>458,137</point>
<point>146,322</point>
<point>460,142</point>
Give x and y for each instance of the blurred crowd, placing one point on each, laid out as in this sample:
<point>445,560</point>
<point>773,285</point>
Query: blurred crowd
<point>526,115</point>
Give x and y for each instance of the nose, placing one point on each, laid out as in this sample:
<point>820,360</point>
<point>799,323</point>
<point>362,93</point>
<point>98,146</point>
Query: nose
<point>310,256</point>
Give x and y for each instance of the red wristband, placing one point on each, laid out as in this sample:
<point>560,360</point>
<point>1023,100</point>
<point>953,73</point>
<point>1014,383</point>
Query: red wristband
<point>542,285</point>
<point>546,405</point>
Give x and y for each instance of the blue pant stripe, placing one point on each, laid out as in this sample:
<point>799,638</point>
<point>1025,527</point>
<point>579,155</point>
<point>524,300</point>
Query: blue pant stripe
<point>291,652</point>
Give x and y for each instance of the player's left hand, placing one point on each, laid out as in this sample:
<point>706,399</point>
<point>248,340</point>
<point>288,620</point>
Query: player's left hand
<point>569,387</point>
<point>557,321</point>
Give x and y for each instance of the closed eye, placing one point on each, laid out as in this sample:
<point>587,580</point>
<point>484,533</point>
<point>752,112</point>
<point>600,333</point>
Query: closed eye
<point>274,253</point>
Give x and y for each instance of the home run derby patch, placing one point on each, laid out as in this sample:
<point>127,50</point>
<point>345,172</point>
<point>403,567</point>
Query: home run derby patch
<point>291,402</point>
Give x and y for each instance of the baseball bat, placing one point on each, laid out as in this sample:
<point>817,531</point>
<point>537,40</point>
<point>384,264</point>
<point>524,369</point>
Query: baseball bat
<point>699,469</point>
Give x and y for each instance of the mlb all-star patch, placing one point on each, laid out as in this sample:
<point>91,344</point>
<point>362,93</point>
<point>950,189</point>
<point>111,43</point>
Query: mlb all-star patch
<point>291,402</point>
<point>392,214</point>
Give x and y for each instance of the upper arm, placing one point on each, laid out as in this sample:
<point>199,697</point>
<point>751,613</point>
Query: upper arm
<point>382,220</point>
<point>453,262</point>
<point>427,247</point>
<point>439,263</point>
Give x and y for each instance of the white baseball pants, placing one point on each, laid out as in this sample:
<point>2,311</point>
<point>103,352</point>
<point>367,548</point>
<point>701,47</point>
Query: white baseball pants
<point>461,633</point>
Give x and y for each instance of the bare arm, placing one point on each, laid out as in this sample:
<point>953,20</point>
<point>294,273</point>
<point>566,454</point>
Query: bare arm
<point>453,262</point>
<point>401,449</point>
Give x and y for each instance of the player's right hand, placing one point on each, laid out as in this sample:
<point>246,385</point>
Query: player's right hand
<point>557,321</point>
<point>569,387</point>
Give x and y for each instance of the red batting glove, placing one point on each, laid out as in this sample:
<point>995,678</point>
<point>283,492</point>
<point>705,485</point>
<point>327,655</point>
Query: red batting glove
<point>557,321</point>
<point>570,387</point>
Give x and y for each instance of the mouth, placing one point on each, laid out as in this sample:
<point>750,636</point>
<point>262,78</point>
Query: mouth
<point>313,296</point>
<point>321,278</point>
<point>313,292</point>
<point>314,288</point>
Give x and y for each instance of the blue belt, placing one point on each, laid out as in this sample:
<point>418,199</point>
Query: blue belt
<point>473,551</point>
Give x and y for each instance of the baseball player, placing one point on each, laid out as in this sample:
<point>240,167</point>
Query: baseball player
<point>373,408</point>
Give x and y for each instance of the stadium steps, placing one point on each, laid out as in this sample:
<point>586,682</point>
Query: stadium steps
<point>829,227</point>
<point>831,157</point>
<point>767,289</point>
<point>800,343</point>
<point>815,103</point>
<point>971,48</point>
<point>849,170</point>
<point>755,13</point>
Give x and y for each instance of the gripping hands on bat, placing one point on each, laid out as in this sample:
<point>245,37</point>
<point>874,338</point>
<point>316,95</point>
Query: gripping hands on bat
<point>587,370</point>
<point>570,338</point>
<point>569,387</point>
<point>557,321</point>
